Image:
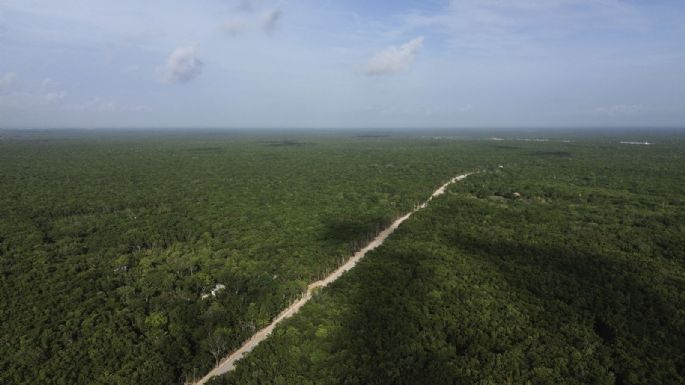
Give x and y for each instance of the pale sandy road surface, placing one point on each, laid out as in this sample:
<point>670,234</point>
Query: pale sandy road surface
<point>228,363</point>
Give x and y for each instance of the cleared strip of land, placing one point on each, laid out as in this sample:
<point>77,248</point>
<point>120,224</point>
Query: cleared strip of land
<point>228,363</point>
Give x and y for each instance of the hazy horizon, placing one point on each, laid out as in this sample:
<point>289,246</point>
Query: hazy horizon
<point>507,133</point>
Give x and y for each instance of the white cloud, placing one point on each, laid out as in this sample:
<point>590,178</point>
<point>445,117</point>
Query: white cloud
<point>50,91</point>
<point>7,81</point>
<point>270,19</point>
<point>48,95</point>
<point>620,110</point>
<point>54,96</point>
<point>99,105</point>
<point>251,19</point>
<point>183,65</point>
<point>43,93</point>
<point>394,59</point>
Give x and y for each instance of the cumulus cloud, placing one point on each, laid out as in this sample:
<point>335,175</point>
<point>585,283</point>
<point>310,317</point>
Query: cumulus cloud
<point>183,65</point>
<point>7,81</point>
<point>253,16</point>
<point>270,20</point>
<point>394,59</point>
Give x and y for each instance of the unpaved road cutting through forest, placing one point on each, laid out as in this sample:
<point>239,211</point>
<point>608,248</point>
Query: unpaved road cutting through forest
<point>228,363</point>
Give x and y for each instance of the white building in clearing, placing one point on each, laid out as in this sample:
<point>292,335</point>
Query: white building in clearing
<point>214,291</point>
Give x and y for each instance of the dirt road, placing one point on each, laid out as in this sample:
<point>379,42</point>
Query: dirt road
<point>228,363</point>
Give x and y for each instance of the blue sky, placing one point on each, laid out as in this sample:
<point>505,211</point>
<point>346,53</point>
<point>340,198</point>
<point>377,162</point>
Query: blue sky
<point>337,64</point>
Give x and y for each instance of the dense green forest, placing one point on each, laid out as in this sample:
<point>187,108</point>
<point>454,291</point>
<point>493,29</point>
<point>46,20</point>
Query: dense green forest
<point>565,265</point>
<point>109,240</point>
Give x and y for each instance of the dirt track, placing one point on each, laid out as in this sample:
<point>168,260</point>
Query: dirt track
<point>228,363</point>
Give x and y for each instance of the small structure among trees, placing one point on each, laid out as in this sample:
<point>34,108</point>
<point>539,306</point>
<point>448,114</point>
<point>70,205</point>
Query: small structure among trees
<point>214,291</point>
